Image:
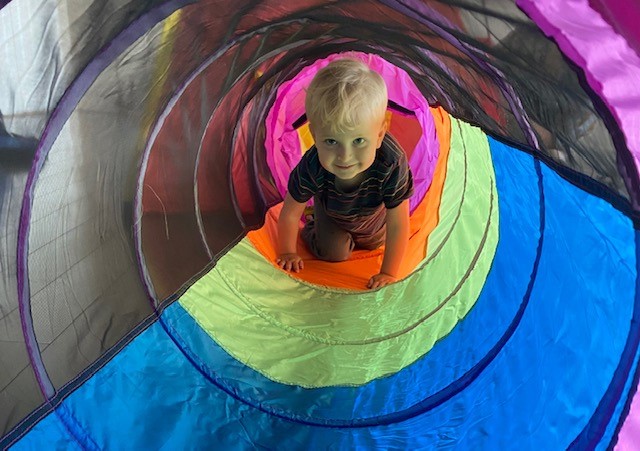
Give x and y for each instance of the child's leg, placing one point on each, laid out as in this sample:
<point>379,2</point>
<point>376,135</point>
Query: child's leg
<point>371,231</point>
<point>372,241</point>
<point>325,239</point>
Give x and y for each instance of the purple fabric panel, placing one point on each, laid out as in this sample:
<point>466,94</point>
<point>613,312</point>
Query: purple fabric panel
<point>623,16</point>
<point>612,69</point>
<point>629,436</point>
<point>283,145</point>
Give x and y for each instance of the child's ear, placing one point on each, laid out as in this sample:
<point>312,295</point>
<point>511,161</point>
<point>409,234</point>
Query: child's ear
<point>383,130</point>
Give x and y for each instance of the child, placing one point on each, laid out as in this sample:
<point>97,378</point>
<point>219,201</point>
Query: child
<point>356,173</point>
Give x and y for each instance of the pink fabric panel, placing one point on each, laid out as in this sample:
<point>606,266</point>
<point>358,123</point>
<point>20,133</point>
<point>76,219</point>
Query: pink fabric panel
<point>282,143</point>
<point>624,16</point>
<point>612,69</point>
<point>629,437</point>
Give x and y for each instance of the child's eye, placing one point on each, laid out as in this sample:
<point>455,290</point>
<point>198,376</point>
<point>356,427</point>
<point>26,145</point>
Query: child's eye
<point>358,141</point>
<point>330,142</point>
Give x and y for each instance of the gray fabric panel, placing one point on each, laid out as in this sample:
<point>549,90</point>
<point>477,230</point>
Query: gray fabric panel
<point>43,46</point>
<point>19,393</point>
<point>85,289</point>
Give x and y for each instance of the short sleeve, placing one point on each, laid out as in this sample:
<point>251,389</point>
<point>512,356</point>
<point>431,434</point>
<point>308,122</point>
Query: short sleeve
<point>399,184</point>
<point>303,180</point>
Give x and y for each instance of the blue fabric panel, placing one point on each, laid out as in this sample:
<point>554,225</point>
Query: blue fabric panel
<point>554,357</point>
<point>151,397</point>
<point>605,415</point>
<point>610,435</point>
<point>48,434</point>
<point>579,316</point>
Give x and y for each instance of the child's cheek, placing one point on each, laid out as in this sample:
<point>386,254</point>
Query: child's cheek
<point>325,160</point>
<point>370,158</point>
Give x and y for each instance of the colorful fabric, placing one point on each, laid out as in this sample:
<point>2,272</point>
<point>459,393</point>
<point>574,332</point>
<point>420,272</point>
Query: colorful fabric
<point>203,395</point>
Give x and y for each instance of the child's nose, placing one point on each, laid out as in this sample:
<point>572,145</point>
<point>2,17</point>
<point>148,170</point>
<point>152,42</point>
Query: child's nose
<point>344,152</point>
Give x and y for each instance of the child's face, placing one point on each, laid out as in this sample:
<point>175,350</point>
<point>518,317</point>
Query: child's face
<point>348,154</point>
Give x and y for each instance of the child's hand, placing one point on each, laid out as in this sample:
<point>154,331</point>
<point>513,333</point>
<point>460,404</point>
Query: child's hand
<point>380,280</point>
<point>290,262</point>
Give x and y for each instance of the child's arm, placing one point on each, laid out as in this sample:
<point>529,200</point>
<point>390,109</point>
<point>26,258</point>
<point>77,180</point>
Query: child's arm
<point>395,245</point>
<point>288,227</point>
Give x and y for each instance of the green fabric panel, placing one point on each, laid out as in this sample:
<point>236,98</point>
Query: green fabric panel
<point>301,334</point>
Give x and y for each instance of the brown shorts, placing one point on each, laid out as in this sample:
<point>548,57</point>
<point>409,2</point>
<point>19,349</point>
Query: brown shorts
<point>328,240</point>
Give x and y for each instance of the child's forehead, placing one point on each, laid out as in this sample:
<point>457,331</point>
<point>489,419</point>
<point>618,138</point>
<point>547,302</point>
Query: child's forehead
<point>350,122</point>
<point>360,128</point>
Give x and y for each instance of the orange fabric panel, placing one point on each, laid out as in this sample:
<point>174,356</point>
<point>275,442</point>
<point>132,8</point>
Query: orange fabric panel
<point>355,272</point>
<point>407,130</point>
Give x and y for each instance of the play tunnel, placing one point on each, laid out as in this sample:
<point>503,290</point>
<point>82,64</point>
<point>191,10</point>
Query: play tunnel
<point>145,149</point>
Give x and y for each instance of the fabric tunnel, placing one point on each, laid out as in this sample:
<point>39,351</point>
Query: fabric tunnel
<point>145,148</point>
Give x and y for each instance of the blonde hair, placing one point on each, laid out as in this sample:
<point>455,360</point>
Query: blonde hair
<point>344,94</point>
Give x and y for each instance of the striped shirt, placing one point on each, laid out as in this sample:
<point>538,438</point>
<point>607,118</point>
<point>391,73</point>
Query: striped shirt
<point>387,183</point>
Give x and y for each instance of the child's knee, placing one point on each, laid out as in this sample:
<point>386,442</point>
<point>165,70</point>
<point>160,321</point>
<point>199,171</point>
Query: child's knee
<point>335,253</point>
<point>336,250</point>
